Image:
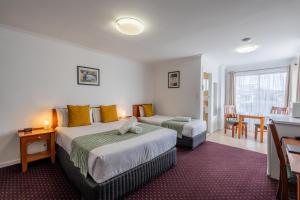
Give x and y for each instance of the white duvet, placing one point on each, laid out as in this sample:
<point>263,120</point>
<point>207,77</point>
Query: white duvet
<point>110,160</point>
<point>190,129</point>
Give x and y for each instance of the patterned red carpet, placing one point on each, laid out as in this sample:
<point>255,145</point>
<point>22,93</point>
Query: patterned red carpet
<point>212,171</point>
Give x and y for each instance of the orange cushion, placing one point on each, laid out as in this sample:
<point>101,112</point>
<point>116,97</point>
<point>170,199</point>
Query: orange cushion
<point>148,110</point>
<point>109,113</point>
<point>79,115</point>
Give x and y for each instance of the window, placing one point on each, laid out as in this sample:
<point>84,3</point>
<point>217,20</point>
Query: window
<point>257,91</point>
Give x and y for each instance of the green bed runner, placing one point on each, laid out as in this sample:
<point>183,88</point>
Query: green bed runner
<point>82,145</point>
<point>175,125</point>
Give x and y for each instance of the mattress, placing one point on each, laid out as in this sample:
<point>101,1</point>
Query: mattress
<point>190,129</point>
<point>113,159</point>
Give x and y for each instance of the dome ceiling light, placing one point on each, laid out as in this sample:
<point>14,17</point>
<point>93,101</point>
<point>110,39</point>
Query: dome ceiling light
<point>129,26</point>
<point>247,48</point>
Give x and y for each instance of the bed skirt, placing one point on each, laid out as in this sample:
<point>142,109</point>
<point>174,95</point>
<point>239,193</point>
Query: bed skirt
<point>120,185</point>
<point>191,143</point>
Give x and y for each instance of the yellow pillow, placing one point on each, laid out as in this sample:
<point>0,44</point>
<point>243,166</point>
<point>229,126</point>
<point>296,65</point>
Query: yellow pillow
<point>109,113</point>
<point>79,115</point>
<point>148,110</point>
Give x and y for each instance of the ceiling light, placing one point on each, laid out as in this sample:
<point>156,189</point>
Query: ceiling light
<point>129,26</point>
<point>248,48</point>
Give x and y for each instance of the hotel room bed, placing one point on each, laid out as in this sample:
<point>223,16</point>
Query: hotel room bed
<point>190,129</point>
<point>193,132</point>
<point>118,168</point>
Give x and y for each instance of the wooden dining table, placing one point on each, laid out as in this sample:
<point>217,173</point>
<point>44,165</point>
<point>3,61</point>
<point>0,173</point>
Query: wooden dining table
<point>261,118</point>
<point>294,160</point>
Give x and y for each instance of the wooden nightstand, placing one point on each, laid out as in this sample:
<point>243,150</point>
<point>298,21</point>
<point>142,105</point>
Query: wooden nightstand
<point>35,135</point>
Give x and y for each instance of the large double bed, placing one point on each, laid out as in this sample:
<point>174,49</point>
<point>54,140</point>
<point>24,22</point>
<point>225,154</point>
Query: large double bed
<point>116,168</point>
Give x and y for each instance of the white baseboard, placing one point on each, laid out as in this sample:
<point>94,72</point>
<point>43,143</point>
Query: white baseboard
<point>9,163</point>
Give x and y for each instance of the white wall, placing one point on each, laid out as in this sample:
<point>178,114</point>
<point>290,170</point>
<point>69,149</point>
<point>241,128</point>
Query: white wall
<point>211,65</point>
<point>39,73</point>
<point>178,101</point>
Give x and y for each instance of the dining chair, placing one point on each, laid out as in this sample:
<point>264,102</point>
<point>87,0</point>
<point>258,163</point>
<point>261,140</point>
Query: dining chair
<point>231,120</point>
<point>286,175</point>
<point>274,110</point>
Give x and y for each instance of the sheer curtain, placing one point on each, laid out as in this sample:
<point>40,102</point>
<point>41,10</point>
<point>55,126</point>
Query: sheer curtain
<point>231,94</point>
<point>298,81</point>
<point>257,91</point>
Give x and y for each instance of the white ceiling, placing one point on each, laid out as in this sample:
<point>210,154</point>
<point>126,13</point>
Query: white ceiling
<point>174,28</point>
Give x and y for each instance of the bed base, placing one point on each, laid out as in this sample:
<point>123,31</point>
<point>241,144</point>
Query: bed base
<point>121,185</point>
<point>191,143</point>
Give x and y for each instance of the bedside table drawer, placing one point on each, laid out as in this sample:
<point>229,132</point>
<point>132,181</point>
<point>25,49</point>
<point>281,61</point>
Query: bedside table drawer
<point>35,138</point>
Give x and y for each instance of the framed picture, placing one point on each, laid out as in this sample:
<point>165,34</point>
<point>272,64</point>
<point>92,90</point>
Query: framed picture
<point>88,76</point>
<point>174,79</point>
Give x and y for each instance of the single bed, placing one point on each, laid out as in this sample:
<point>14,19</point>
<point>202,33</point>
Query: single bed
<point>118,168</point>
<point>193,132</point>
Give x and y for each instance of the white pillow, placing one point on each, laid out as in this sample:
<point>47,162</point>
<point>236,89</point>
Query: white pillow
<point>141,109</point>
<point>96,115</point>
<point>62,117</point>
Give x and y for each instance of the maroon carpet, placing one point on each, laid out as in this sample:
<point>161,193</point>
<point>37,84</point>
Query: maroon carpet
<point>212,171</point>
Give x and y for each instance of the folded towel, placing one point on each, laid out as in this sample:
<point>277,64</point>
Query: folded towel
<point>127,125</point>
<point>136,129</point>
<point>182,119</point>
